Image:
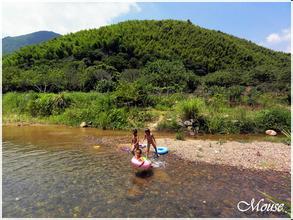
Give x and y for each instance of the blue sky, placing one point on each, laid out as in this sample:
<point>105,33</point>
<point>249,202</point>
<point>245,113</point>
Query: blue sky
<point>266,24</point>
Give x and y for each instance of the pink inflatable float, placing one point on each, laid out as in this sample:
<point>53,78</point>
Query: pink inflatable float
<point>144,165</point>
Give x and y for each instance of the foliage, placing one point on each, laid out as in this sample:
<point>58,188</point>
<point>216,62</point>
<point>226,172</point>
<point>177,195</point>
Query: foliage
<point>171,56</point>
<point>170,77</point>
<point>180,136</point>
<point>133,94</point>
<point>287,134</point>
<point>190,109</point>
<point>213,116</point>
<point>275,118</point>
<point>113,74</point>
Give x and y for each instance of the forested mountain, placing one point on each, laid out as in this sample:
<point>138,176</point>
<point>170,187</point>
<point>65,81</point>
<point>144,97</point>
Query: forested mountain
<point>167,56</point>
<point>10,44</point>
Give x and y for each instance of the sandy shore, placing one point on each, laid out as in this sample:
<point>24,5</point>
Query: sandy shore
<point>253,155</point>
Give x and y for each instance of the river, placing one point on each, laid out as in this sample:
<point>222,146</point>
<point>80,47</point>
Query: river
<point>55,171</point>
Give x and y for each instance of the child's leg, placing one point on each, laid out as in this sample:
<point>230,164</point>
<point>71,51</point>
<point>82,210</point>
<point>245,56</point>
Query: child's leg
<point>155,146</point>
<point>133,149</point>
<point>148,150</point>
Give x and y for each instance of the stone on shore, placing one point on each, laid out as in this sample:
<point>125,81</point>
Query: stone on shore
<point>271,132</point>
<point>83,125</point>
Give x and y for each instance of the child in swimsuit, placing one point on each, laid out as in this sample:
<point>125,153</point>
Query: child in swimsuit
<point>150,141</point>
<point>138,153</point>
<point>134,141</point>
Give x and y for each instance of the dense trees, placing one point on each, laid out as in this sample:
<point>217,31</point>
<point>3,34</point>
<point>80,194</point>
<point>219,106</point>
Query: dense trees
<point>168,56</point>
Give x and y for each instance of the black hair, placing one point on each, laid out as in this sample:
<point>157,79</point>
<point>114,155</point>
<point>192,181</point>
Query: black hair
<point>140,151</point>
<point>147,130</point>
<point>134,131</point>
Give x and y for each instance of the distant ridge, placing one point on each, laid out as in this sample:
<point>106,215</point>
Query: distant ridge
<point>11,44</point>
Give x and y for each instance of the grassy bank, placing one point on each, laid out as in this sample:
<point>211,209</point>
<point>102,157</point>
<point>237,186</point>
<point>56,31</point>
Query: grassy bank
<point>213,114</point>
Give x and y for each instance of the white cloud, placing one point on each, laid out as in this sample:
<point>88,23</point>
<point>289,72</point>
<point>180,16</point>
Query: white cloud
<point>273,38</point>
<point>285,35</point>
<point>22,18</point>
<point>280,41</point>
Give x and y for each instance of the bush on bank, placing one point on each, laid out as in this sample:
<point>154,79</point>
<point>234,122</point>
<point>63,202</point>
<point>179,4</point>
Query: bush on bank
<point>122,110</point>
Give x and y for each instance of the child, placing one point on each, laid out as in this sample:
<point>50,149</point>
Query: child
<point>138,153</point>
<point>150,141</point>
<point>134,141</point>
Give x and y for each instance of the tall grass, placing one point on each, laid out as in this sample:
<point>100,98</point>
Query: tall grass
<point>215,116</point>
<point>72,109</point>
<point>191,109</point>
<point>212,115</point>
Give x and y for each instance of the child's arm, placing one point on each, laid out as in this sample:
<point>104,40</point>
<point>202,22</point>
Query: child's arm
<point>140,159</point>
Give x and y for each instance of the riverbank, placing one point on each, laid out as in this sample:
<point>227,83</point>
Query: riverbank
<point>258,152</point>
<point>176,112</point>
<point>257,155</point>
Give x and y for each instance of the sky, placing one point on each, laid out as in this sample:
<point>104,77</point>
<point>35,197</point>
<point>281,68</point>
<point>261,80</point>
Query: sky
<point>267,24</point>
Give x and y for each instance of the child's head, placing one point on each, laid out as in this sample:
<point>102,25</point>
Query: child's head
<point>138,152</point>
<point>134,132</point>
<point>147,131</point>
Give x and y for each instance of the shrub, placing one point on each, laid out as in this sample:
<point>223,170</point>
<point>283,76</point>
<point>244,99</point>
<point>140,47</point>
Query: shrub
<point>17,102</point>
<point>118,118</point>
<point>215,124</point>
<point>169,124</point>
<point>48,104</point>
<point>102,120</point>
<point>133,94</point>
<point>218,102</point>
<point>234,93</point>
<point>166,102</point>
<point>105,85</point>
<point>60,103</point>
<point>170,76</point>
<point>275,118</point>
<point>246,122</point>
<point>191,109</point>
<point>180,136</point>
<point>222,78</point>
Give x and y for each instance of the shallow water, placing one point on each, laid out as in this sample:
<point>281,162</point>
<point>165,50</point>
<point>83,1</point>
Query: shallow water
<point>51,171</point>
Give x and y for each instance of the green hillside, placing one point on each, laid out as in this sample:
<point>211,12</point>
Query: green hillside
<point>168,55</point>
<point>11,44</point>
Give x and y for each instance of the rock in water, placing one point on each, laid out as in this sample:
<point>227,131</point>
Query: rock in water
<point>271,132</point>
<point>83,125</point>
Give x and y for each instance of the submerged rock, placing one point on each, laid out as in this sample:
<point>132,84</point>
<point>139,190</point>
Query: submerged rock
<point>271,132</point>
<point>134,194</point>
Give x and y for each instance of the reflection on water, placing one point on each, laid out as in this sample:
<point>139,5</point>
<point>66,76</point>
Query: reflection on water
<point>56,172</point>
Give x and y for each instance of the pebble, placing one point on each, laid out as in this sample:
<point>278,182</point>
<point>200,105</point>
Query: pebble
<point>96,147</point>
<point>16,199</point>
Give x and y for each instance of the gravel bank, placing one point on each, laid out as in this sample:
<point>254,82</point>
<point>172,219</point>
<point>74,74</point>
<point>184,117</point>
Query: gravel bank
<point>253,155</point>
